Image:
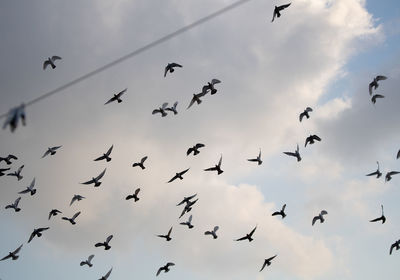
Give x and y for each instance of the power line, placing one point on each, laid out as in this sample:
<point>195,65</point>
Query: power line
<point>136,52</point>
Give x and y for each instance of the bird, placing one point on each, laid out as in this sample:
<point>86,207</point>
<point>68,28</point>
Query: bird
<point>282,212</point>
<point>161,110</point>
<point>248,236</point>
<point>54,212</point>
<point>375,96</point>
<point>14,205</point>
<point>195,149</point>
<point>141,163</point>
<point>267,262</point>
<point>106,155</point>
<point>186,199</point>
<point>381,218</point>
<point>37,232</point>
<point>170,68</point>
<point>94,180</point>
<point>76,197</point>
<point>374,84</point>
<point>165,268</point>
<point>278,9</point>
<point>378,173</point>
<point>116,97</point>
<point>310,139</point>
<point>30,189</point>
<point>395,245</point>
<point>87,262</point>
<point>196,98</point>
<point>210,87</point>
<point>2,170</point>
<point>305,113</point>
<point>72,220</point>
<point>188,207</point>
<point>134,196</point>
<point>217,167</point>
<point>257,159</point>
<point>319,217</point>
<point>13,255</point>
<point>173,108</point>
<point>295,154</point>
<point>105,244</point>
<point>212,232</point>
<point>178,175</point>
<point>50,61</point>
<point>389,175</point>
<point>167,236</point>
<point>105,277</point>
<point>8,159</point>
<point>51,151</point>
<point>188,223</point>
<point>13,117</point>
<point>17,173</point>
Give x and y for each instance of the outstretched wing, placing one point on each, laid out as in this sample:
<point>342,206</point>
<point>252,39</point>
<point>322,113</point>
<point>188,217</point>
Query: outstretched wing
<point>101,174</point>
<point>46,153</point>
<point>109,238</point>
<point>280,8</point>
<point>55,57</point>
<point>75,215</point>
<point>110,100</point>
<point>380,78</point>
<point>316,218</point>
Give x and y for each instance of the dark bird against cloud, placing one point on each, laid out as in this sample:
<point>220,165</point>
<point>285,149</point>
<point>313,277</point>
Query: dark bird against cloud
<point>173,108</point>
<point>87,262</point>
<point>248,236</point>
<point>14,205</point>
<point>72,220</point>
<point>105,277</point>
<point>17,173</point>
<point>305,113</point>
<point>37,232</point>
<point>267,262</point>
<point>116,97</point>
<point>277,11</point>
<point>13,116</point>
<point>213,232</point>
<point>210,87</point>
<point>96,181</point>
<point>217,167</point>
<point>374,84</point>
<point>320,217</point>
<point>381,218</point>
<point>178,175</point>
<point>30,189</point>
<point>195,149</point>
<point>389,175</point>
<point>12,255</point>
<point>50,61</point>
<point>295,154</point>
<point>51,151</point>
<point>141,163</point>
<point>395,245</point>
<point>310,139</point>
<point>134,196</point>
<point>188,222</point>
<point>166,236</point>
<point>105,244</point>
<point>378,173</point>
<point>165,268</point>
<point>161,110</point>
<point>106,155</point>
<point>170,68</point>
<point>375,96</point>
<point>281,213</point>
<point>8,159</point>
<point>76,197</point>
<point>257,159</point>
<point>54,212</point>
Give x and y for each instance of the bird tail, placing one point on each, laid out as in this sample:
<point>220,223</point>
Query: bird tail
<point>15,258</point>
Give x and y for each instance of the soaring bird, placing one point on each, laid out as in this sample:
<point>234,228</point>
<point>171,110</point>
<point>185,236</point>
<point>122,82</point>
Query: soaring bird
<point>72,220</point>
<point>54,212</point>
<point>247,236</point>
<point>141,163</point>
<point>196,98</point>
<point>161,110</point>
<point>116,97</point>
<point>13,117</point>
<point>76,197</point>
<point>381,218</point>
<point>217,167</point>
<point>188,222</point>
<point>2,170</point>
<point>165,268</point>
<point>395,245</point>
<point>88,262</point>
<point>51,151</point>
<point>12,255</point>
<point>37,232</point>
<point>105,277</point>
<point>278,9</point>
<point>389,175</point>
<point>319,217</point>
<point>267,262</point>
<point>257,159</point>
<point>305,113</point>
<point>375,96</point>
<point>295,154</point>
<point>210,87</point>
<point>310,139</point>
<point>281,213</point>
<point>105,244</point>
<point>50,61</point>
<point>17,173</point>
<point>166,236</point>
<point>170,68</point>
<point>378,173</point>
<point>14,205</point>
<point>212,232</point>
<point>186,199</point>
<point>106,156</point>
<point>8,159</point>
<point>173,108</point>
<point>374,84</point>
<point>178,175</point>
<point>195,149</point>
<point>30,189</point>
<point>188,207</point>
<point>134,196</point>
<point>94,180</point>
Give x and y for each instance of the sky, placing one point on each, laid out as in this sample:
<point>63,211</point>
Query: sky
<point>319,53</point>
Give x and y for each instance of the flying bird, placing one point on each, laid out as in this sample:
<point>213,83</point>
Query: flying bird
<point>76,197</point>
<point>134,196</point>
<point>305,113</point>
<point>54,212</point>
<point>105,244</point>
<point>375,96</point>
<point>381,218</point>
<point>30,189</point>
<point>295,154</point>
<point>186,199</point>
<point>210,87</point>
<point>277,11</point>
<point>167,236</point>
<point>51,151</point>
<point>178,175</point>
<point>281,213</point>
<point>257,159</point>
<point>17,173</point>
<point>217,167</point>
<point>248,236</point>
<point>165,268</point>
<point>14,205</point>
<point>378,173</point>
<point>267,262</point>
<point>389,175</point>
<point>310,139</point>
<point>161,110</point>
<point>94,180</point>
<point>195,149</point>
<point>2,170</point>
<point>50,61</point>
<point>173,108</point>
<point>12,255</point>
<point>116,97</point>
<point>188,223</point>
<point>188,207</point>
<point>106,156</point>
<point>395,245</point>
<point>8,159</point>
<point>319,217</point>
<point>37,232</point>
<point>170,68</point>
<point>72,220</point>
<point>13,117</point>
<point>212,232</point>
<point>88,262</point>
<point>105,277</point>
<point>374,84</point>
<point>141,163</point>
<point>196,98</point>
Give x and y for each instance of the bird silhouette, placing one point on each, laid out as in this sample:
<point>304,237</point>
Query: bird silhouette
<point>173,108</point>
<point>305,113</point>
<point>106,155</point>
<point>188,207</point>
<point>257,159</point>
<point>8,159</point>
<point>76,197</point>
<point>389,175</point>
<point>50,61</point>
<point>105,277</point>
<point>281,213</point>
<point>54,212</point>
<point>37,232</point>
<point>277,11</point>
<point>212,232</point>
<point>17,173</point>
<point>13,116</point>
<point>14,205</point>
<point>170,68</point>
<point>195,149</point>
<point>165,268</point>
<point>178,175</point>
<point>320,217</point>
<point>374,84</point>
<point>196,99</point>
<point>87,262</point>
<point>166,236</point>
<point>310,139</point>
<point>375,96</point>
<point>96,180</point>
<point>161,110</point>
<point>12,255</point>
<point>105,244</point>
<point>186,199</point>
<point>395,245</point>
<point>217,167</point>
<point>72,220</point>
<point>2,170</point>
<point>378,173</point>
<point>51,151</point>
<point>134,196</point>
<point>267,262</point>
<point>295,154</point>
<point>381,218</point>
<point>248,236</point>
<point>141,163</point>
<point>210,87</point>
<point>116,97</point>
<point>188,223</point>
<point>30,189</point>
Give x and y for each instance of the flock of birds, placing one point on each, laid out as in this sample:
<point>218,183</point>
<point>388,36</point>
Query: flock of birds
<point>188,202</point>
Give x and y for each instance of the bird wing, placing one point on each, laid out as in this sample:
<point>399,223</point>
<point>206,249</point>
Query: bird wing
<point>32,184</point>
<point>252,159</point>
<point>101,174</point>
<point>190,219</point>
<point>164,105</point>
<point>215,229</point>
<point>6,257</point>
<point>215,81</point>
<point>199,145</point>
<point>191,150</point>
<point>377,219</point>
<point>280,8</point>
<point>316,137</point>
<point>159,271</point>
<point>32,236</point>
<point>75,215</point>
<point>373,173</point>
<point>55,57</point>
<point>220,161</point>
<point>301,116</point>
<point>143,160</point>
<point>175,65</point>
<point>393,173</point>
<point>18,249</point>
<point>273,16</point>
<point>100,158</point>
<point>210,169</point>
<point>90,258</point>
<point>169,232</point>
<point>129,197</point>
<point>392,247</point>
<point>208,232</point>
<point>109,238</point>
<point>309,109</point>
<point>108,274</point>
<point>119,94</point>
<point>315,219</point>
<point>137,191</point>
<point>20,169</point>
<point>17,201</point>
<point>110,100</point>
<point>46,153</point>
<point>45,63</point>
<point>155,111</point>
<point>264,264</point>
<point>290,154</point>
<point>184,171</point>
<point>109,150</point>
<point>170,264</point>
<point>88,182</point>
<point>25,191</point>
<point>173,178</point>
<point>241,238</point>
<point>56,147</point>
<point>252,232</point>
<point>276,213</point>
<point>398,154</point>
<point>370,87</point>
<point>324,212</point>
<point>380,77</point>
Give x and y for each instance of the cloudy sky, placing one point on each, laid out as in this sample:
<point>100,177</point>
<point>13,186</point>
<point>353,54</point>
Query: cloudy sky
<point>320,53</point>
